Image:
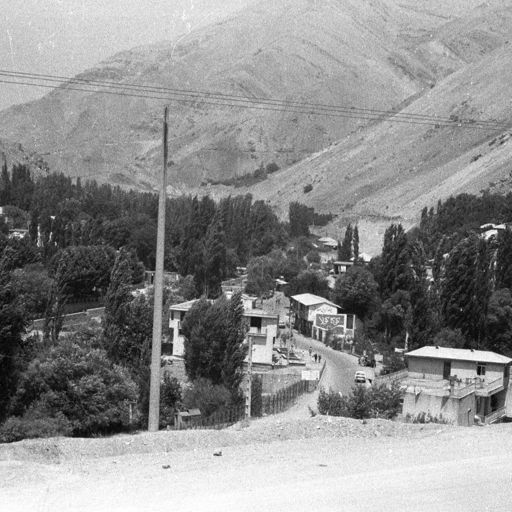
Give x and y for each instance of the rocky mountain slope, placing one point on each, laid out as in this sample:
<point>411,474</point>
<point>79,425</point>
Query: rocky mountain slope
<point>376,54</point>
<point>433,58</point>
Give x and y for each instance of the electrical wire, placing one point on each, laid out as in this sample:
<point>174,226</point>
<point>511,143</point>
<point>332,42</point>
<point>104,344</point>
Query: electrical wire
<point>223,96</point>
<point>219,99</point>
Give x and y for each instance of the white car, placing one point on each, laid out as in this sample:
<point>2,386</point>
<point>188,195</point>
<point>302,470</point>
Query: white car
<point>360,377</point>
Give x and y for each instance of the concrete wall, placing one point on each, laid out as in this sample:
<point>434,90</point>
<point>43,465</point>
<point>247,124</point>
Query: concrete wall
<point>425,368</point>
<point>459,412</point>
<point>433,369</point>
<point>467,370</point>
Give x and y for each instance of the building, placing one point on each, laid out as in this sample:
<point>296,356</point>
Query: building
<point>490,230</point>
<point>340,267</point>
<point>262,330</point>
<point>342,325</point>
<point>176,342</point>
<point>328,243</point>
<point>261,327</point>
<point>456,384</point>
<point>305,308</point>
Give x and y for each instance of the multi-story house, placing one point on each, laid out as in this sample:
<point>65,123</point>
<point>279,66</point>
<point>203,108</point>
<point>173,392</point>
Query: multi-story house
<point>261,328</point>
<point>458,385</point>
<point>315,316</point>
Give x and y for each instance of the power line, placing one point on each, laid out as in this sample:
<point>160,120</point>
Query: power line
<point>197,94</point>
<point>219,99</point>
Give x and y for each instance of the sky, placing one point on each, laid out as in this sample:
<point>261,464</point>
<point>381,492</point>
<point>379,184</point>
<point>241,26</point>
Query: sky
<point>65,37</point>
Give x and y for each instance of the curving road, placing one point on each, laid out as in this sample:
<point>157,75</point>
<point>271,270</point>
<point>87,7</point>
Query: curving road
<point>340,368</point>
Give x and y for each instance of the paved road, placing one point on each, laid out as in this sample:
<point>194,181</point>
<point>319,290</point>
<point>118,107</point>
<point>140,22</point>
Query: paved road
<point>340,369</point>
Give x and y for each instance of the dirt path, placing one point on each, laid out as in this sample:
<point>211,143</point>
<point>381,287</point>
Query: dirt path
<point>320,464</point>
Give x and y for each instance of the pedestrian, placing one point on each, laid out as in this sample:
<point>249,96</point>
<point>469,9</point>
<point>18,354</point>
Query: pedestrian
<point>319,357</point>
<point>315,357</point>
<point>310,350</point>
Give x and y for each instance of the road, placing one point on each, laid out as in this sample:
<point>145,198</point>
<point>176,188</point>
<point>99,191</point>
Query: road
<point>460,469</point>
<point>340,368</point>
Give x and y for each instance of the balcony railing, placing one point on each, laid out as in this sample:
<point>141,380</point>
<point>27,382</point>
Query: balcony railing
<point>495,416</point>
<point>456,388</point>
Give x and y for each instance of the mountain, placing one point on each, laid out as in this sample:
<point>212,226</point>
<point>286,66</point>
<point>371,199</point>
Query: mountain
<point>389,172</point>
<point>372,53</point>
<point>14,153</point>
<point>436,58</point>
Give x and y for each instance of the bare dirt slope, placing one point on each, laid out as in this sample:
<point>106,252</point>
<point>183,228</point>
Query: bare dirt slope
<point>376,54</point>
<point>389,172</point>
<point>316,464</point>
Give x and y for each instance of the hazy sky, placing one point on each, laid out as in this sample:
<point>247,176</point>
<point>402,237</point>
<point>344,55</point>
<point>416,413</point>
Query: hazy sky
<point>65,37</point>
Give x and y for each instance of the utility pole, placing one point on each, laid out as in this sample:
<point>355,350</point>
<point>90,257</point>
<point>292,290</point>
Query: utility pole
<point>248,392</point>
<point>156,347</point>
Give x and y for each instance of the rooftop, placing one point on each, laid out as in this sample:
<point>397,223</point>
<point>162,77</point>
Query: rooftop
<point>459,354</point>
<point>259,313</point>
<point>183,306</point>
<point>308,299</point>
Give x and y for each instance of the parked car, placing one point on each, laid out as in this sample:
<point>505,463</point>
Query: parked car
<point>360,377</point>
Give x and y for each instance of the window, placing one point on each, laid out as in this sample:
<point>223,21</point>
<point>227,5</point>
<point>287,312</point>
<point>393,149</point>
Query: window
<point>480,369</point>
<point>350,321</point>
<point>256,322</point>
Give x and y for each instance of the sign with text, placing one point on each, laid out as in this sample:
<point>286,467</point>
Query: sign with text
<point>330,322</point>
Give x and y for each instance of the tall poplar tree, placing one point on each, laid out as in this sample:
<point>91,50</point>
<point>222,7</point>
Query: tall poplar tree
<point>345,251</point>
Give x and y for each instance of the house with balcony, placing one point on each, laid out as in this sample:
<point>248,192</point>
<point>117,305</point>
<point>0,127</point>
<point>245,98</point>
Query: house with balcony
<point>176,342</point>
<point>459,385</point>
<point>261,326</point>
<point>262,330</point>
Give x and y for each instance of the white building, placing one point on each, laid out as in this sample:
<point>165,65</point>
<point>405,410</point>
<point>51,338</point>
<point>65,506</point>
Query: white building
<point>261,327</point>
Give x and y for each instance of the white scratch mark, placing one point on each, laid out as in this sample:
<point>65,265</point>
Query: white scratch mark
<point>11,47</point>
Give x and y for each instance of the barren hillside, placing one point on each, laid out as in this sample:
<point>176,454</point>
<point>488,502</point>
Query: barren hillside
<point>375,54</point>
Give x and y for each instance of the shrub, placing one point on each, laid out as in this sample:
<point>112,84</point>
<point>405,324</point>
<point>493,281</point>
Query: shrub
<point>170,399</point>
<point>332,403</point>
<point>207,397</point>
<point>308,188</point>
<point>376,402</point>
<point>79,382</point>
<point>256,397</point>
<point>31,426</point>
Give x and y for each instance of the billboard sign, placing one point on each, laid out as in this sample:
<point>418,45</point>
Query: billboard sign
<point>330,322</point>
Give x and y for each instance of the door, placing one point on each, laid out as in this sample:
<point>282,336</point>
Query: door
<point>447,370</point>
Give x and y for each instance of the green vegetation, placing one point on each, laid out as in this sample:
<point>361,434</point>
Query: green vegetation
<point>375,402</point>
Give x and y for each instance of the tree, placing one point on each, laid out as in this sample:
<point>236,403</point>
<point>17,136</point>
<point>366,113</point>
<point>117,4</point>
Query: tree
<point>12,325</point>
<point>31,285</point>
<point>447,337</point>
<point>355,243</point>
<point>466,288</point>
<point>76,380</point>
<point>499,322</point>
<point>214,258</point>
<point>117,299</point>
<point>309,281</point>
<point>503,260</point>
<point>345,250</point>
<point>356,292</point>
<point>259,275</point>
<point>299,216</point>
<point>214,334</point>
<point>235,351</point>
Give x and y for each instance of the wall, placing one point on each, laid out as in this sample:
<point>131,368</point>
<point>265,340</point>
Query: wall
<point>467,370</point>
<point>431,368</point>
<point>459,412</point>
<point>262,353</point>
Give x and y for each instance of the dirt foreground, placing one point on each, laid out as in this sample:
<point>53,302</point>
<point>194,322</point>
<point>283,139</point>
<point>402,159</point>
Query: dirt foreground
<point>317,463</point>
